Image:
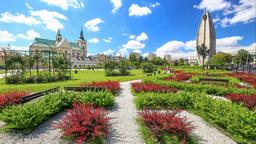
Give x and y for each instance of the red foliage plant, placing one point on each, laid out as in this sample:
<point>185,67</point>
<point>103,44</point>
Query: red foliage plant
<point>139,87</point>
<point>249,78</point>
<point>167,123</point>
<point>112,86</point>
<point>11,97</point>
<point>84,122</point>
<point>179,77</point>
<point>248,101</point>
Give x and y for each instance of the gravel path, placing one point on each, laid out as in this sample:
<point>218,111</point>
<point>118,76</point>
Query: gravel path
<point>124,129</point>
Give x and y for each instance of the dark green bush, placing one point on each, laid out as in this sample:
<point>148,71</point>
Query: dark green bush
<point>148,67</point>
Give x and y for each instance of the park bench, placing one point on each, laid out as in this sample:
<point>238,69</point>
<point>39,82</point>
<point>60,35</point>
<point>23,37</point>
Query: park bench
<point>84,88</point>
<point>38,94</point>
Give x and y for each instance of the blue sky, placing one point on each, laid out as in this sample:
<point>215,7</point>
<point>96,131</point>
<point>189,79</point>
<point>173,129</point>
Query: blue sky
<point>144,26</point>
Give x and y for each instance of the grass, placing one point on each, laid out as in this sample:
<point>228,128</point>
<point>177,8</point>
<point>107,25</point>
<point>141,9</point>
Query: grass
<point>82,76</point>
<point>1,71</point>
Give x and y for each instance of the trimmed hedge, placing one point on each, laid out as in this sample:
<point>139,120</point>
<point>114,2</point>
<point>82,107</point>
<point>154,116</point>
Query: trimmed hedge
<point>235,119</point>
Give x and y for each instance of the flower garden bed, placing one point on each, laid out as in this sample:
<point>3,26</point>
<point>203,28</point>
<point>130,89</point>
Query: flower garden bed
<point>179,76</point>
<point>165,127</point>
<point>112,86</point>
<point>141,87</point>
<point>248,78</point>
<point>236,120</point>
<point>248,101</point>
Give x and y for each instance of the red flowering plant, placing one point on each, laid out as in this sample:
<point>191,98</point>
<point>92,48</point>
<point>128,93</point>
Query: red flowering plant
<point>84,123</point>
<point>167,123</point>
<point>248,78</point>
<point>179,77</point>
<point>11,97</point>
<point>139,87</point>
<point>248,101</point>
<point>112,86</point>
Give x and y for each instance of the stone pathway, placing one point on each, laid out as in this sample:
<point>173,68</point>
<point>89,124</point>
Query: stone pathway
<point>124,128</point>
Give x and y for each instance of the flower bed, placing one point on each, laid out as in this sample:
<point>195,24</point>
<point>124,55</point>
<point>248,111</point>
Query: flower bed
<point>179,77</point>
<point>248,101</point>
<point>235,119</point>
<point>85,123</point>
<point>11,97</point>
<point>112,86</point>
<point>248,78</point>
<point>140,87</point>
<point>167,124</point>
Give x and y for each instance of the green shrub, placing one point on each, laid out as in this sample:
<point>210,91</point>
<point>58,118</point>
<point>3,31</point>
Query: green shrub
<point>100,98</point>
<point>235,119</point>
<point>28,116</point>
<point>148,68</point>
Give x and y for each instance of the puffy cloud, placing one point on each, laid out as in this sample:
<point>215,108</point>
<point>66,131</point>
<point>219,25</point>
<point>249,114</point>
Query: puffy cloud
<point>142,37</point>
<point>94,40</point>
<point>133,44</point>
<point>117,5</point>
<point>108,40</point>
<point>92,25</point>
<point>18,18</point>
<point>132,37</point>
<point>123,51</point>
<point>51,19</point>
<point>5,36</point>
<point>213,5</point>
<point>23,48</point>
<point>30,35</point>
<point>137,51</point>
<point>65,4</point>
<point>109,52</point>
<point>136,10</point>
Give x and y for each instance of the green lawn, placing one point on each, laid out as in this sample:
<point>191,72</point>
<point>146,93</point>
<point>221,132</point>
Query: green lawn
<point>82,76</point>
<point>1,71</point>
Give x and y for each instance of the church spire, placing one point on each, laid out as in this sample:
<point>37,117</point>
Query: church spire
<point>81,34</point>
<point>58,36</point>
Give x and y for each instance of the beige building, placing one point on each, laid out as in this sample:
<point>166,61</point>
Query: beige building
<point>192,60</point>
<point>168,58</point>
<point>206,35</point>
<point>151,56</point>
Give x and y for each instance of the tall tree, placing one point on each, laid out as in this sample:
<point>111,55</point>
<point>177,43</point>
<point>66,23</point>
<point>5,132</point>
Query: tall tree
<point>203,52</point>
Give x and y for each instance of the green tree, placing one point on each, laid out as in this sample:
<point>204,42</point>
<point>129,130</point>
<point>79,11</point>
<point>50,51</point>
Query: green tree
<point>221,59</point>
<point>123,67</point>
<point>203,52</point>
<point>148,67</point>
<point>132,57</point>
<point>181,61</point>
<point>158,61</point>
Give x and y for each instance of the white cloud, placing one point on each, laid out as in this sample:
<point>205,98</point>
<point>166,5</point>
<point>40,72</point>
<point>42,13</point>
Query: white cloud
<point>123,51</point>
<point>92,25</point>
<point>109,52</point>
<point>133,44</point>
<point>117,5</point>
<point>23,48</point>
<point>136,10</point>
<point>213,5</point>
<point>132,37</point>
<point>28,6</point>
<point>18,18</point>
<point>51,19</point>
<point>145,54</point>
<point>94,40</point>
<point>228,41</point>
<point>154,5</point>
<point>142,37</point>
<point>125,34</point>
<point>108,40</point>
<point>137,51</point>
<point>64,4</point>
<point>30,35</point>
<point>5,36</point>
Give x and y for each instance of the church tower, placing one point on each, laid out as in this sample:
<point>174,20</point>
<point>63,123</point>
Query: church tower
<point>82,43</point>
<point>58,37</point>
<point>206,35</point>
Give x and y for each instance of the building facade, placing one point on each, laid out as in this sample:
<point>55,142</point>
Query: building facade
<point>168,58</point>
<point>206,35</point>
<point>151,56</point>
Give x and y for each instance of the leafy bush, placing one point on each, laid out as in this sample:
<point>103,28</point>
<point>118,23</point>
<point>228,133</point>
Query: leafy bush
<point>235,119</point>
<point>167,123</point>
<point>148,67</point>
<point>139,87</point>
<point>248,101</point>
<point>112,86</point>
<point>85,123</point>
<point>28,116</point>
<point>100,98</point>
<point>11,97</point>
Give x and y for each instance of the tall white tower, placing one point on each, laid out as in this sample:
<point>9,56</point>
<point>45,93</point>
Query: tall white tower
<point>206,35</point>
<point>82,43</point>
<point>58,37</point>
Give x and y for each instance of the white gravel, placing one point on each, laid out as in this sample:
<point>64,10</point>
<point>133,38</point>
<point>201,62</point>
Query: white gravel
<point>124,128</point>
